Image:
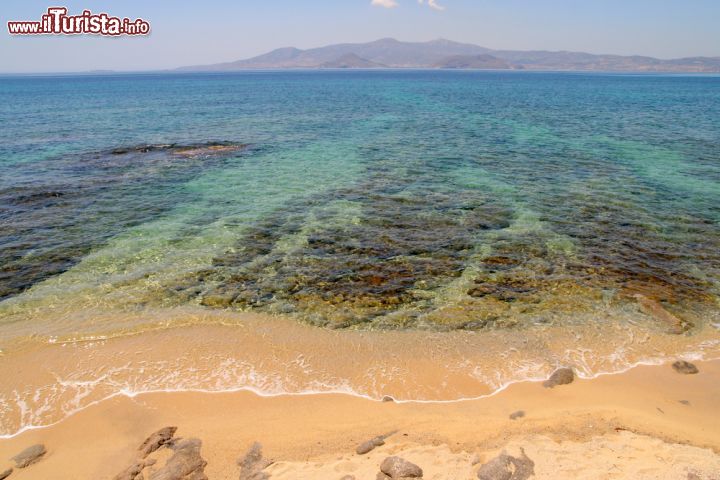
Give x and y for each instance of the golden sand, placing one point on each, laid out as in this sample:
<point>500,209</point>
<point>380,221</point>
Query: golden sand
<point>41,383</point>
<point>649,422</point>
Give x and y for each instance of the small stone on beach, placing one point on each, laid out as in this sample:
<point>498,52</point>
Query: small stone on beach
<point>686,368</point>
<point>6,474</point>
<point>516,415</point>
<point>185,464</point>
<point>561,376</point>
<point>506,467</point>
<point>252,464</point>
<point>388,399</point>
<point>134,471</point>
<point>396,467</point>
<point>156,440</point>
<point>29,456</point>
<point>367,447</point>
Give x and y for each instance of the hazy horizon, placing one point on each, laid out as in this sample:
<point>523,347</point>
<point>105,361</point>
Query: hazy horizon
<point>225,31</point>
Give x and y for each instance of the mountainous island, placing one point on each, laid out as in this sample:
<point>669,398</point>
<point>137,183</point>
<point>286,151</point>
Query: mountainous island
<point>446,54</point>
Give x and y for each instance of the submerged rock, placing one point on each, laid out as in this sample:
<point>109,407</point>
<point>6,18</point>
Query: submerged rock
<point>686,368</point>
<point>561,376</point>
<point>156,440</point>
<point>218,301</point>
<point>252,464</point>
<point>654,309</point>
<point>29,456</point>
<point>396,467</point>
<point>185,464</point>
<point>506,467</point>
<point>191,150</point>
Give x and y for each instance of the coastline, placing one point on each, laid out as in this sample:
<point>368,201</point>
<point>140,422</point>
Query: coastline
<point>407,256</point>
<point>314,436</point>
<point>226,352</point>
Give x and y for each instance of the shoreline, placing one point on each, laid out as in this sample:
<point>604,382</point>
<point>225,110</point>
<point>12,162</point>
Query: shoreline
<point>329,393</point>
<point>318,433</point>
<point>277,357</point>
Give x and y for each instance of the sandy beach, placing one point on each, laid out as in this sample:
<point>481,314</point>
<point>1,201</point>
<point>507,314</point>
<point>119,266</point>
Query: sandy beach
<point>362,261</point>
<point>649,422</point>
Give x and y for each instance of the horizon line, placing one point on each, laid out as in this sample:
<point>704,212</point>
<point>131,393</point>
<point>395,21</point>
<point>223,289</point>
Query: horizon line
<point>178,69</point>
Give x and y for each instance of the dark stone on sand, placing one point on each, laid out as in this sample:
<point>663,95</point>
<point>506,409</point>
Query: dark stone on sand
<point>134,471</point>
<point>516,415</point>
<point>185,464</point>
<point>252,464</point>
<point>6,474</point>
<point>396,467</point>
<point>365,447</point>
<point>561,376</point>
<point>685,402</point>
<point>29,456</point>
<point>506,467</point>
<point>156,440</point>
<point>686,368</point>
<point>370,445</point>
<point>388,399</point>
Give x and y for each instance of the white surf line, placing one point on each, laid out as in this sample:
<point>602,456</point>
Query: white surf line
<point>129,394</point>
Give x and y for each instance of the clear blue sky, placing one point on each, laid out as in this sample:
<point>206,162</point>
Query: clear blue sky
<point>186,32</point>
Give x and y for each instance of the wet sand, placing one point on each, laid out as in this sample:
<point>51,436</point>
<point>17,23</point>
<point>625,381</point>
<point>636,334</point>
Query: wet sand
<point>649,422</point>
<point>43,380</point>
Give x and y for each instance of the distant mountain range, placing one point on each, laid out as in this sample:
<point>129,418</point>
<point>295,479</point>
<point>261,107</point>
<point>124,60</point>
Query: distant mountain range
<point>391,53</point>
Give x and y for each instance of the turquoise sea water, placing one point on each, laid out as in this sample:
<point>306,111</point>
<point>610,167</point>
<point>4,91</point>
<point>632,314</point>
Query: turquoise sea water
<point>537,214</point>
<point>363,194</point>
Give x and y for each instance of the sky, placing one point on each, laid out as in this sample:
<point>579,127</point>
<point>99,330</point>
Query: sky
<point>186,32</point>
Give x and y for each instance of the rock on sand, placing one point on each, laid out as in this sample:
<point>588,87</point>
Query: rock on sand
<point>505,467</point>
<point>156,440</point>
<point>29,456</point>
<point>561,376</point>
<point>396,467</point>
<point>185,464</point>
<point>685,368</point>
<point>252,464</point>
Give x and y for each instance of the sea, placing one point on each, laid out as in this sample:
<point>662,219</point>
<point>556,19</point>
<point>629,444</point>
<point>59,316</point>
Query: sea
<point>430,235</point>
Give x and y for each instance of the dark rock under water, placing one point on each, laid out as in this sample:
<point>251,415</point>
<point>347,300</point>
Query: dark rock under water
<point>70,205</point>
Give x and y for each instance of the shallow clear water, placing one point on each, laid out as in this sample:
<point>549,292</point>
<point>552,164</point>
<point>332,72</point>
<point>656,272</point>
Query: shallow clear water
<point>364,198</point>
<point>483,201</point>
